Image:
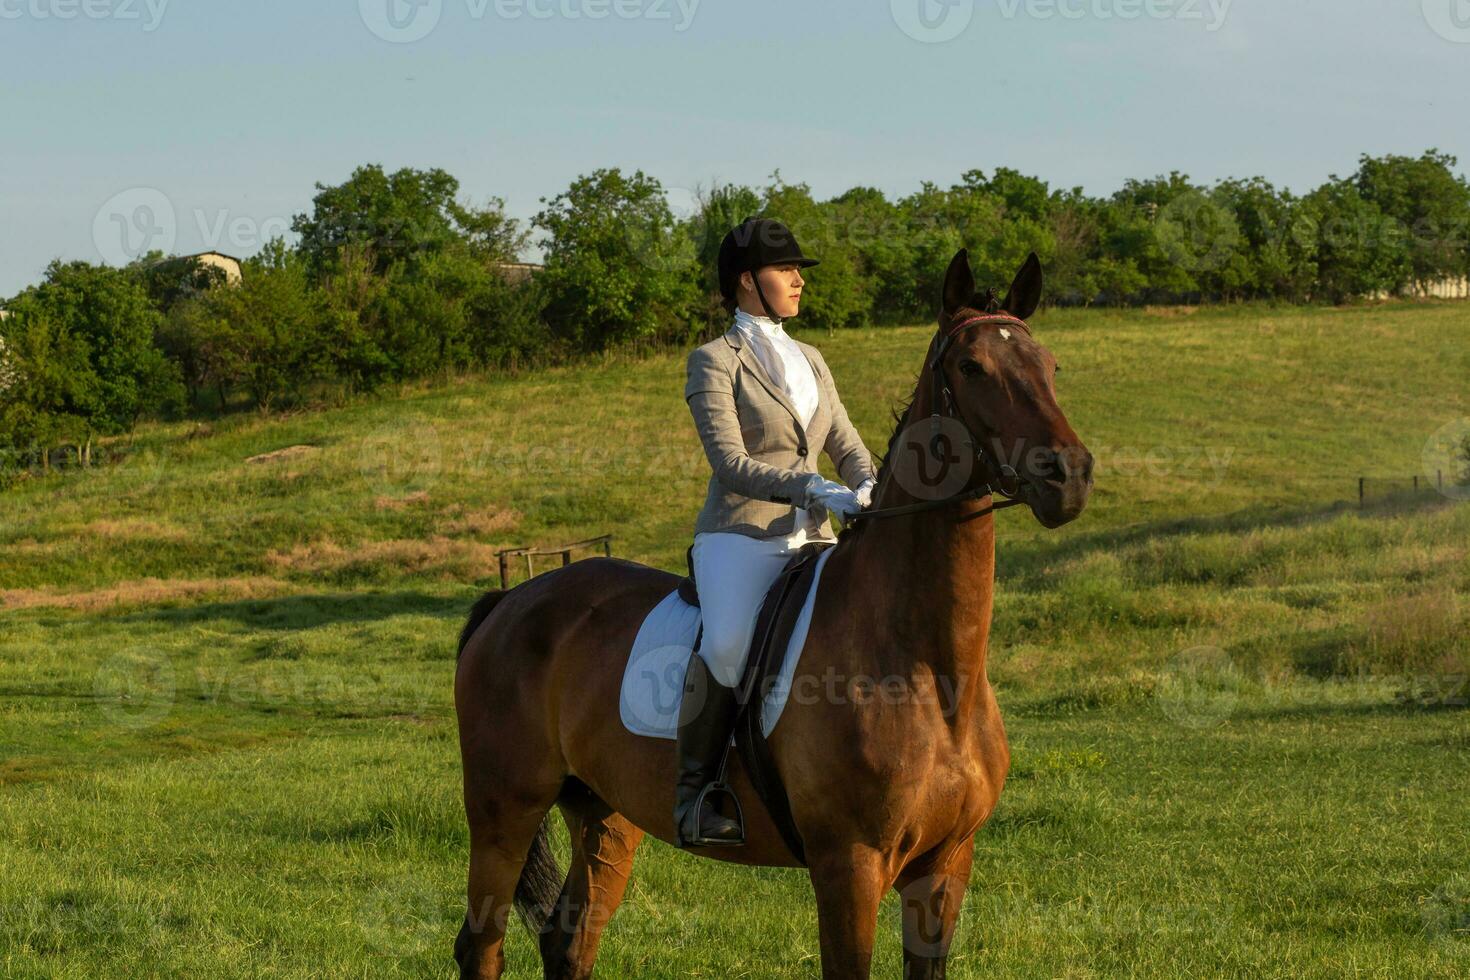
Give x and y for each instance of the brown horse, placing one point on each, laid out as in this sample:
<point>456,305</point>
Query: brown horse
<point>890,771</point>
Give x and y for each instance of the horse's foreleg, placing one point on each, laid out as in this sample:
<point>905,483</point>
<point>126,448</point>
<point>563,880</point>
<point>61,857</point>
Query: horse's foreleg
<point>849,884</point>
<point>930,900</point>
<point>603,843</point>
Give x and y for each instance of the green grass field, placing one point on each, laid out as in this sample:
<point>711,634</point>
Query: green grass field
<point>1236,699</point>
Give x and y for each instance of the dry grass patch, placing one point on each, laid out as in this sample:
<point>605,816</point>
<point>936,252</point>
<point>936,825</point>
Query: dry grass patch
<point>143,592</point>
<point>131,529</point>
<point>487,520</point>
<point>399,503</point>
<point>290,452</point>
<point>436,555</point>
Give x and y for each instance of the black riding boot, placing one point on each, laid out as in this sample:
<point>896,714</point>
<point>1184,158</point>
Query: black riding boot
<point>706,718</point>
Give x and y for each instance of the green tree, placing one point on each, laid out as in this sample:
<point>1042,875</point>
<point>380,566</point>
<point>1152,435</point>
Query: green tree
<point>1431,206</point>
<point>46,384</point>
<point>103,315</point>
<point>615,269</point>
<point>401,217</point>
<point>267,335</point>
<point>1360,251</point>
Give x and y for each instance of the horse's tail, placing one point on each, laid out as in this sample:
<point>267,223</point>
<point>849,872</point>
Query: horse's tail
<point>480,612</point>
<point>541,877</point>
<point>540,883</point>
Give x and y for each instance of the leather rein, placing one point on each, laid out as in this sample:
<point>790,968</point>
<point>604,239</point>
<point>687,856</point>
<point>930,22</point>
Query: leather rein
<point>1006,482</point>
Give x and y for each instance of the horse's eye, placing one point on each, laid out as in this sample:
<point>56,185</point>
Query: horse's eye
<point>1056,369</point>
<point>970,369</point>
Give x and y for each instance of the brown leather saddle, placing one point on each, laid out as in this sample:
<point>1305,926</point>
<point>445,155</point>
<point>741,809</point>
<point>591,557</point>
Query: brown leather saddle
<point>773,627</point>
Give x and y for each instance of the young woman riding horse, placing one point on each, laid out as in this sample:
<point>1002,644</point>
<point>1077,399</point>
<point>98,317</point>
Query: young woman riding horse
<point>763,405</point>
<point>886,792</point>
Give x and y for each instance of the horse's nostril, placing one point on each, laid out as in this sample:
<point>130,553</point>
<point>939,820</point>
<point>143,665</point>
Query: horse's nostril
<point>1064,465</point>
<point>1053,467</point>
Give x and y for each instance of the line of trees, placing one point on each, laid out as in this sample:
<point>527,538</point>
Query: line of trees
<point>393,277</point>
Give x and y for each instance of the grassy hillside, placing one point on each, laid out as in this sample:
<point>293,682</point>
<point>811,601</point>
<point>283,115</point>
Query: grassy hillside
<point>228,743</point>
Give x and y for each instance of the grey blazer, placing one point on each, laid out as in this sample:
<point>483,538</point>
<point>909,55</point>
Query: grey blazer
<point>757,448</point>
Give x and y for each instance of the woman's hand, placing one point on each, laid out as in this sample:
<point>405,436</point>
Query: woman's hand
<point>825,495</point>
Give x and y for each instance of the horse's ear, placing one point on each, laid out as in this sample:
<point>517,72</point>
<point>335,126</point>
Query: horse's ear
<point>1025,293</point>
<point>959,283</point>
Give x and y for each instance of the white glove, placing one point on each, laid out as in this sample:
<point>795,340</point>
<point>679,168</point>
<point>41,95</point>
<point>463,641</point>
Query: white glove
<point>825,495</point>
<point>864,492</point>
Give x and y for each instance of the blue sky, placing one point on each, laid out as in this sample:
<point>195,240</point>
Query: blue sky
<point>206,123</point>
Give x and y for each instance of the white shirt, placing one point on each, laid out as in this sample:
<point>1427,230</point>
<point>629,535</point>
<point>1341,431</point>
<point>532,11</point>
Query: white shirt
<point>793,374</point>
<point>783,361</point>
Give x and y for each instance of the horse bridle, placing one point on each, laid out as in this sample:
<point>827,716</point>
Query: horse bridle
<point>1003,480</point>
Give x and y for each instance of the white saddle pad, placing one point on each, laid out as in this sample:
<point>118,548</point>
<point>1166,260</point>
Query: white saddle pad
<point>653,682</point>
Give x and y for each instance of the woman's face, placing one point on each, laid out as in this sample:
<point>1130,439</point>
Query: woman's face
<point>782,285</point>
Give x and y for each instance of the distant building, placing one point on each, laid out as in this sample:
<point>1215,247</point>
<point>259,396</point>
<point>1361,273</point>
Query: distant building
<point>227,264</point>
<point>1442,289</point>
<point>518,271</point>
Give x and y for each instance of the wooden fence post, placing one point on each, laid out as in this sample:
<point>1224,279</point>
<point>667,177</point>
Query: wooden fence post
<point>1360,491</point>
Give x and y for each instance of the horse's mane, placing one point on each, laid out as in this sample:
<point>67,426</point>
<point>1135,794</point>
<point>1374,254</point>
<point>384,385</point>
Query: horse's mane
<point>900,422</point>
<point>986,302</point>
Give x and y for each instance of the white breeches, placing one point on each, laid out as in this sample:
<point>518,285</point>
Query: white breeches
<point>732,573</point>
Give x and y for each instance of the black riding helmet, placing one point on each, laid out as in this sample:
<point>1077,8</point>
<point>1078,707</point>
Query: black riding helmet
<point>754,244</point>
